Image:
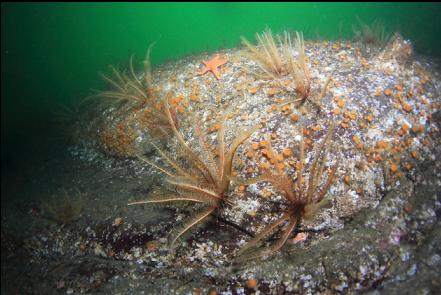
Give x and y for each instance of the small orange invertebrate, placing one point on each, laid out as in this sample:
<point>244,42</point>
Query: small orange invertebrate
<point>287,152</point>
<point>271,92</point>
<point>264,166</point>
<point>213,128</point>
<point>286,110</point>
<point>194,98</point>
<point>336,111</point>
<point>83,247</point>
<point>263,143</point>
<point>364,62</point>
<point>353,115</point>
<point>408,208</point>
<point>340,103</point>
<point>300,237</point>
<point>362,125</point>
<point>280,165</point>
<point>382,144</point>
<point>279,157</point>
<point>251,283</point>
<point>250,154</point>
<point>387,92</point>
<point>180,109</point>
<point>393,167</point>
<point>252,90</point>
<point>357,142</point>
<point>403,130</point>
<point>294,117</point>
<point>308,143</point>
<point>369,118</point>
<point>405,127</point>
<point>407,107</point>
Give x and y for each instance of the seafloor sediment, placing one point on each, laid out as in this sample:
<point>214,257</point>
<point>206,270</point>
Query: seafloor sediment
<point>380,230</point>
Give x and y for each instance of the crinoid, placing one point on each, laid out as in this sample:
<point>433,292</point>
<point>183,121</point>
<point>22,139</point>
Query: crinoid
<point>303,201</point>
<point>66,209</point>
<point>137,91</point>
<point>203,179</point>
<point>129,87</point>
<point>369,35</point>
<point>67,114</point>
<point>266,55</point>
<point>275,62</point>
<point>297,67</point>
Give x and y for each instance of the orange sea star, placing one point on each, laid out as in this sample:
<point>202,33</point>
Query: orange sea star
<point>212,65</point>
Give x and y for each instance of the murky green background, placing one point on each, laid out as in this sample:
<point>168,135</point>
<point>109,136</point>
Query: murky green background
<point>52,53</point>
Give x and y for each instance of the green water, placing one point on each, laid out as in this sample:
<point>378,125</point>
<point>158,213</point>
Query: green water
<point>52,53</point>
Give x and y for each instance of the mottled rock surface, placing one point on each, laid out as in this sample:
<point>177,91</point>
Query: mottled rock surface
<point>380,234</point>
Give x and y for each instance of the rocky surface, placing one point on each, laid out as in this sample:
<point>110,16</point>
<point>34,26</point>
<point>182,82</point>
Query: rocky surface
<point>381,233</point>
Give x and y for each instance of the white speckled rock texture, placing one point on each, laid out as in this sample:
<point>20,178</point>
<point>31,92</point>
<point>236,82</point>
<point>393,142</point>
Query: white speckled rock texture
<point>380,233</point>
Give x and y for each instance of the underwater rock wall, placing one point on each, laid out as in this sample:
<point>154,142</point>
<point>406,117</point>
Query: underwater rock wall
<point>384,104</point>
